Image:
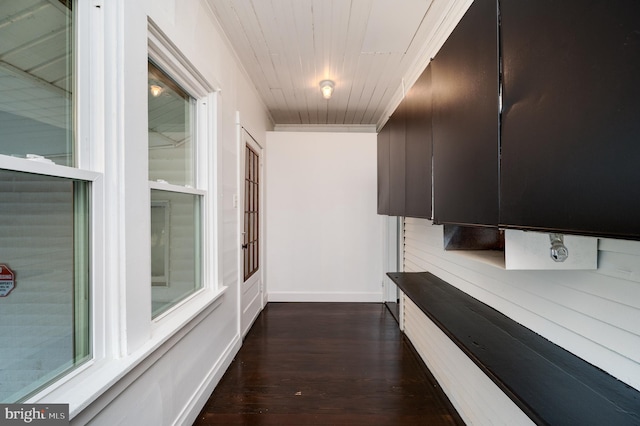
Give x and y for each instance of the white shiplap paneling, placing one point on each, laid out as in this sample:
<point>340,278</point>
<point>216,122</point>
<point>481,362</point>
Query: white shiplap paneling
<point>593,314</point>
<point>476,398</point>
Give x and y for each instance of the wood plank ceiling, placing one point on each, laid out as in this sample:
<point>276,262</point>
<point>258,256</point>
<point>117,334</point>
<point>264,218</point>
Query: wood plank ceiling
<point>372,49</point>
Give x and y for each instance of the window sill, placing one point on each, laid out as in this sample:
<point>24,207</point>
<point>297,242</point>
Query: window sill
<point>89,382</point>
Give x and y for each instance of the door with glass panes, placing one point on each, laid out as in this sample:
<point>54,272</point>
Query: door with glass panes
<point>251,257</point>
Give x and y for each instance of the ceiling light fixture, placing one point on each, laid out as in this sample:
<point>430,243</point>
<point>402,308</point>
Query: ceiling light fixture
<point>326,87</point>
<point>156,90</point>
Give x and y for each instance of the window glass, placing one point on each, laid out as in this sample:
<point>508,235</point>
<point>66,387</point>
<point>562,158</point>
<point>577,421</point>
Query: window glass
<point>36,79</point>
<point>171,122</point>
<point>44,283</point>
<point>176,206</point>
<point>175,247</point>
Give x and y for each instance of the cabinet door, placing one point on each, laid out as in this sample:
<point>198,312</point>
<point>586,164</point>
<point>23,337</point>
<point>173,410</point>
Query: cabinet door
<point>465,120</point>
<point>571,116</point>
<point>383,170</point>
<point>397,161</point>
<point>418,147</point>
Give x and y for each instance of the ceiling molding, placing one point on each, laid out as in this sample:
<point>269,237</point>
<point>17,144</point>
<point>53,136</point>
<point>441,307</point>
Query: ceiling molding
<point>332,128</point>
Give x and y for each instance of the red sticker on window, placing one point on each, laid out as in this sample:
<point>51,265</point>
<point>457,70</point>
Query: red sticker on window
<point>7,280</point>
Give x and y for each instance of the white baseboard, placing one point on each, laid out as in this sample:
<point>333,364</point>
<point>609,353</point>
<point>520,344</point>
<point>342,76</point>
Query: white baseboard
<point>203,392</point>
<point>324,297</point>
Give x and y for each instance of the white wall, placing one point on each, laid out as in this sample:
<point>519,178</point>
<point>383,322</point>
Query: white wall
<point>593,314</point>
<point>324,238</point>
<point>143,379</point>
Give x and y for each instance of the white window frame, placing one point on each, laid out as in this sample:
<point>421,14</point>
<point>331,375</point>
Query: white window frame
<point>88,167</point>
<point>122,344</point>
<point>167,57</point>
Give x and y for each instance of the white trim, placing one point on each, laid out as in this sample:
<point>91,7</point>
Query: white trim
<point>88,145</point>
<point>324,297</point>
<point>246,139</point>
<point>165,54</point>
<point>89,86</point>
<point>238,205</point>
<point>189,413</point>
<point>184,311</point>
<point>164,186</point>
<point>168,57</point>
<point>93,383</point>
<point>333,128</point>
<point>214,224</point>
<point>253,140</point>
<point>202,124</point>
<point>99,335</point>
<point>45,168</point>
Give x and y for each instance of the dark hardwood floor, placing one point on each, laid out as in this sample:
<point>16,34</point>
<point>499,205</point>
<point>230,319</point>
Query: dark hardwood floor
<point>327,364</point>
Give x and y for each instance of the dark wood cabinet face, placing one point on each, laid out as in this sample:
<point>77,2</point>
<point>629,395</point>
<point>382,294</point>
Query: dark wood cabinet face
<point>418,147</point>
<point>571,116</point>
<point>383,170</point>
<point>404,155</point>
<point>397,132</point>
<point>465,120</point>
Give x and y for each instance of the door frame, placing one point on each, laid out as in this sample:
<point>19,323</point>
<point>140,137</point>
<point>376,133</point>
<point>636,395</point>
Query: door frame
<point>244,137</point>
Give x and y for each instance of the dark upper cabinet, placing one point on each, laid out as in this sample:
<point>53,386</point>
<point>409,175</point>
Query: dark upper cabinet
<point>404,155</point>
<point>391,165</point>
<point>418,148</point>
<point>383,170</point>
<point>571,116</point>
<point>465,120</point>
<point>562,155</point>
<point>397,155</point>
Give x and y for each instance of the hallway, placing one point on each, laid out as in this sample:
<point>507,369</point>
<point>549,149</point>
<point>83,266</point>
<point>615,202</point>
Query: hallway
<point>327,364</point>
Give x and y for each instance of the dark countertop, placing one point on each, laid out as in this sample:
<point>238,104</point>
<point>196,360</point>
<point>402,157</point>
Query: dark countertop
<point>550,384</point>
